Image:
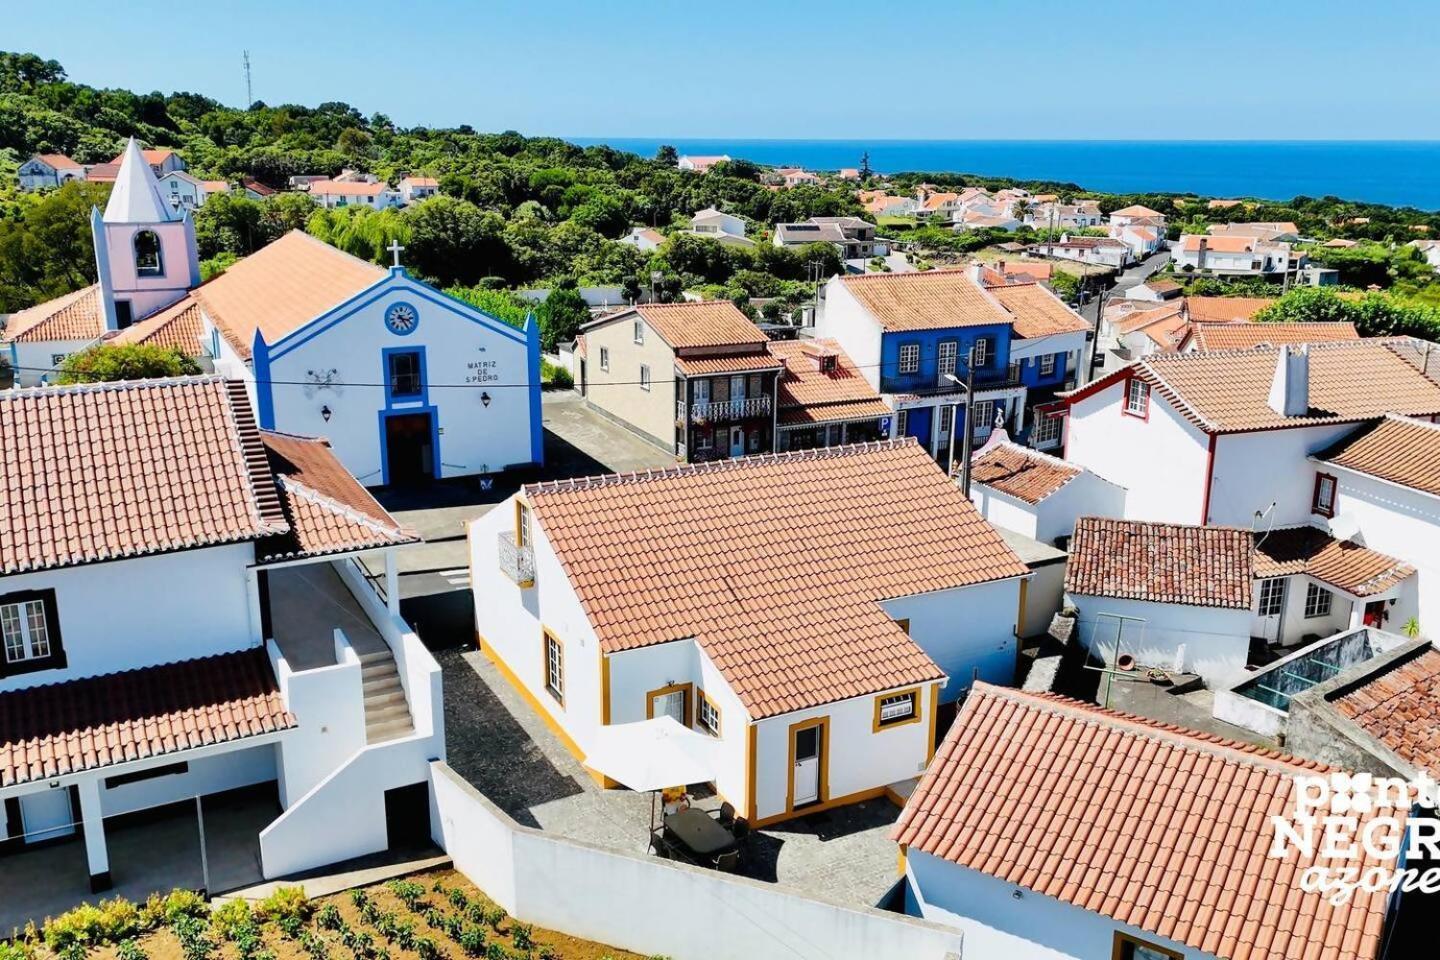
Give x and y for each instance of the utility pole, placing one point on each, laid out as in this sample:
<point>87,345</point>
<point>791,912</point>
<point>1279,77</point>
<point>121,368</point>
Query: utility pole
<point>968,439</point>
<point>249,92</point>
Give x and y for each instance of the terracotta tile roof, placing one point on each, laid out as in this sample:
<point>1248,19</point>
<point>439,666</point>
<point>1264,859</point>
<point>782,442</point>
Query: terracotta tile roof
<point>178,327</point>
<point>65,728</point>
<point>257,187</point>
<point>58,161</point>
<point>102,172</point>
<point>1397,449</point>
<point>809,394</point>
<point>1243,336</point>
<point>1399,705</point>
<point>1229,390</point>
<point>1222,309</point>
<point>349,188</point>
<point>714,551</point>
<point>328,511</point>
<point>1156,826</point>
<point>1162,285</point>
<point>101,471</point>
<point>1357,570</point>
<point>152,157</point>
<point>1136,210</point>
<point>933,300</point>
<point>1036,312</point>
<point>937,200</point>
<point>421,181</point>
<point>725,363</point>
<point>711,323</point>
<point>1219,244</point>
<point>1139,319</point>
<point>1025,268</point>
<point>282,287</point>
<point>75,316</point>
<point>1026,474</point>
<point>1160,562</point>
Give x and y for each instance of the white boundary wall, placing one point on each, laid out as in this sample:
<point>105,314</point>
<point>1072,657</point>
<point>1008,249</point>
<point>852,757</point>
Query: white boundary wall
<point>654,906</point>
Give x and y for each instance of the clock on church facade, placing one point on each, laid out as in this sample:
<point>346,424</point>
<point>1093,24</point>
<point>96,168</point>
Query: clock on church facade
<point>402,319</point>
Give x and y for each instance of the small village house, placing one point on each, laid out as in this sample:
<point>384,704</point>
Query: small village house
<point>49,170</point>
<point>700,164</point>
<point>1101,251</point>
<point>1049,828</point>
<point>374,194</point>
<point>1235,255</point>
<point>812,611</point>
<point>852,237</point>
<point>1037,495</point>
<point>823,400</point>
<point>718,225</point>
<point>413,188</point>
<point>183,615</point>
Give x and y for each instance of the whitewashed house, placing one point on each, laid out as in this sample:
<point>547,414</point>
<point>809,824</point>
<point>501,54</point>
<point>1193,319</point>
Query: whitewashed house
<point>1219,437</point>
<point>1102,251</point>
<point>718,225</point>
<point>1053,215</point>
<point>1051,829</point>
<point>374,194</point>
<point>183,191</point>
<point>1235,255</point>
<point>413,189</point>
<point>700,164</point>
<point>204,628</point>
<point>49,170</point>
<point>643,238</point>
<point>162,160</point>
<point>810,610</point>
<point>1032,493</point>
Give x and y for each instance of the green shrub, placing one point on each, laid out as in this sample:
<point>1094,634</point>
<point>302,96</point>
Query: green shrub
<point>359,898</point>
<point>129,949</point>
<point>194,941</point>
<point>329,918</point>
<point>427,948</point>
<point>471,940</point>
<point>231,920</point>
<point>17,949</point>
<point>494,917</point>
<point>181,904</point>
<point>496,952</point>
<point>285,902</point>
<point>524,936</point>
<point>458,900</point>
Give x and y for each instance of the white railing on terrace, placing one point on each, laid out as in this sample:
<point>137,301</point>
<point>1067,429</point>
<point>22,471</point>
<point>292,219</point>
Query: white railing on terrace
<point>516,562</point>
<point>730,409</point>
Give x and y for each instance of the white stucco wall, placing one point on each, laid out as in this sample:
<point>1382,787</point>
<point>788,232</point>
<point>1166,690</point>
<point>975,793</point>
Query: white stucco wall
<point>1161,462</point>
<point>1005,511</point>
<point>964,630</point>
<point>997,924</point>
<point>843,318</point>
<point>1254,470</point>
<point>236,768</point>
<point>329,704</point>
<point>1085,496</point>
<point>1213,642</point>
<point>466,361</point>
<point>144,611</point>
<point>1402,522</point>
<point>35,361</point>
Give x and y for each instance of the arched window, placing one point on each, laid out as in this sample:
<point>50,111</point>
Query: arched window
<point>147,254</point>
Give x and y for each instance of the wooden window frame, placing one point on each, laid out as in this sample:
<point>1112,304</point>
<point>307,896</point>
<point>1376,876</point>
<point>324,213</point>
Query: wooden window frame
<point>546,638</point>
<point>1143,414</point>
<point>703,700</point>
<point>1318,508</point>
<point>686,688</point>
<point>56,659</point>
<point>524,531</point>
<point>913,693</point>
<point>1122,940</point>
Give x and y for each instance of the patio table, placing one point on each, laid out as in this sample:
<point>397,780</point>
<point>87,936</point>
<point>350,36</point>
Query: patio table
<point>699,833</point>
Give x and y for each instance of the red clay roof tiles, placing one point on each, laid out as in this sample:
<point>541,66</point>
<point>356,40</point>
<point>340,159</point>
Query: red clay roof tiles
<point>1357,570</point>
<point>1026,474</point>
<point>1244,335</point>
<point>1036,312</point>
<point>936,299</point>
<point>713,323</point>
<point>1152,825</point>
<point>1399,705</point>
<point>1396,449</point>
<point>75,316</point>
<point>810,394</point>
<point>102,471</point>
<point>65,728</point>
<point>1161,562</point>
<point>715,552</point>
<point>177,327</point>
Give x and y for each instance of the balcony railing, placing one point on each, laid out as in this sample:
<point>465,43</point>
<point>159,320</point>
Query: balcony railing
<point>516,562</point>
<point>730,409</point>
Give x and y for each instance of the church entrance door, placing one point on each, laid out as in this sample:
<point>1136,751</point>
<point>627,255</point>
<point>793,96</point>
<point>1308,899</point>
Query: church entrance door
<point>409,449</point>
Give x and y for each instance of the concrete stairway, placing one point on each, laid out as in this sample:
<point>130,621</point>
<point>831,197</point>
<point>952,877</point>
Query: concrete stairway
<point>387,714</point>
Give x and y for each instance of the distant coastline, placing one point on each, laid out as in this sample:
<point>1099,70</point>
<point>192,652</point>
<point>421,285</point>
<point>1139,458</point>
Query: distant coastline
<point>1394,172</point>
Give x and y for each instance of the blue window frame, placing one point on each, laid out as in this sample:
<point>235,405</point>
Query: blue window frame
<point>404,375</point>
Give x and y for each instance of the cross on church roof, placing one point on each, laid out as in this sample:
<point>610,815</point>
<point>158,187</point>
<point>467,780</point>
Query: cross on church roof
<point>395,248</point>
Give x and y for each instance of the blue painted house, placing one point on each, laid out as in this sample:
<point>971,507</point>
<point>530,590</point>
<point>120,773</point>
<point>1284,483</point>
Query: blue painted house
<point>915,335</point>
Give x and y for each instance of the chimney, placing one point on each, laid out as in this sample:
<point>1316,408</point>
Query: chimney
<point>1290,390</point>
<point>977,272</point>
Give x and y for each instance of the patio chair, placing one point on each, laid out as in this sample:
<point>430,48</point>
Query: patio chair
<point>727,814</point>
<point>741,829</point>
<point>728,862</point>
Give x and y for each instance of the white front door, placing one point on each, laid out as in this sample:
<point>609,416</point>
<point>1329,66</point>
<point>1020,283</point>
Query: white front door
<point>671,704</point>
<point>46,815</point>
<point>737,442</point>
<point>806,783</point>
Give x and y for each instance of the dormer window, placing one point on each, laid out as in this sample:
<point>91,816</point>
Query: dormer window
<point>148,262</point>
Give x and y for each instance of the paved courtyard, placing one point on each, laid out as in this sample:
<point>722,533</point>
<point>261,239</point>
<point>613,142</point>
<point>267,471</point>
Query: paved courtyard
<point>497,743</point>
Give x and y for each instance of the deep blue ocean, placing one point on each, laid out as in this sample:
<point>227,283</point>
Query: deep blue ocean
<point>1396,172</point>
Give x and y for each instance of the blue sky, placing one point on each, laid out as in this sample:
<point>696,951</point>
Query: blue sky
<point>925,69</point>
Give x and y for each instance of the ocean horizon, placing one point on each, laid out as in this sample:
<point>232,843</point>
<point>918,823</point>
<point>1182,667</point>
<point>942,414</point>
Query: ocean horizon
<point>1394,172</point>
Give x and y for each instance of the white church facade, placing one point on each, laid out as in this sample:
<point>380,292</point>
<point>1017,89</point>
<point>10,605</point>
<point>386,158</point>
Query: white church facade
<point>407,383</point>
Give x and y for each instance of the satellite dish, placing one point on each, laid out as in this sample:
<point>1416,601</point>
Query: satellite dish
<point>1344,526</point>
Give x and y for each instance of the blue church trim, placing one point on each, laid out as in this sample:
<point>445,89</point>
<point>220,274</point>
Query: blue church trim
<point>264,389</point>
<point>532,353</point>
<point>437,464</point>
<point>407,402</point>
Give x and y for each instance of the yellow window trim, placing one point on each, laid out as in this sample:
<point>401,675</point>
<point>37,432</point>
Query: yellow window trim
<point>687,688</point>
<point>701,697</point>
<point>546,635</point>
<point>915,712</point>
<point>1124,939</point>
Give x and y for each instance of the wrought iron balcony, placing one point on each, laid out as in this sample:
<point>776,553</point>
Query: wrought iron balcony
<point>517,562</point>
<point>729,409</point>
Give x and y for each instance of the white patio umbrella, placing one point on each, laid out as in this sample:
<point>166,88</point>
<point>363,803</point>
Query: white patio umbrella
<point>651,755</point>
